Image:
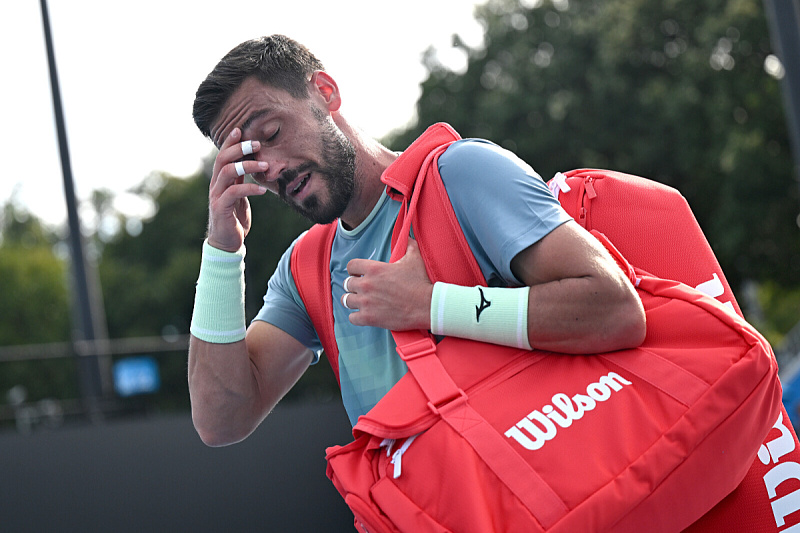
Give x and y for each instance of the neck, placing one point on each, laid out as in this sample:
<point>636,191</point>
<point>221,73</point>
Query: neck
<point>372,158</point>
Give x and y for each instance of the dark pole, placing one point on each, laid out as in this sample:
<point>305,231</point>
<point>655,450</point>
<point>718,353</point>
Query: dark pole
<point>89,374</point>
<point>784,22</point>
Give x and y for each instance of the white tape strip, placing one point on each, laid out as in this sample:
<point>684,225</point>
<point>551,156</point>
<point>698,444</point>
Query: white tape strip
<point>239,168</point>
<point>344,301</point>
<point>247,147</point>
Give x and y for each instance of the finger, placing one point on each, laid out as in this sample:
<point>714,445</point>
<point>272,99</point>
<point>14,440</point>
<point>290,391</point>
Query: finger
<point>243,190</point>
<point>233,173</point>
<point>239,150</point>
<point>232,149</point>
<point>248,147</point>
<point>359,267</point>
<point>224,155</point>
<point>346,297</point>
<point>228,202</point>
<point>346,284</point>
<point>413,247</point>
<point>239,191</point>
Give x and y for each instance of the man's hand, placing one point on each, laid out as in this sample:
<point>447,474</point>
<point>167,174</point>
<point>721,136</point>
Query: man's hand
<point>229,209</point>
<point>394,296</point>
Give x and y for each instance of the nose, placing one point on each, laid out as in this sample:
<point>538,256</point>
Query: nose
<point>276,167</point>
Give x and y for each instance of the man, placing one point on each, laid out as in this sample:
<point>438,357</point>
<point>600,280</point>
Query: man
<point>274,113</point>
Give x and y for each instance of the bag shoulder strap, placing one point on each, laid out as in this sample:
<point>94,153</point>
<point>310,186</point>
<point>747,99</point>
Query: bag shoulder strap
<point>401,175</point>
<point>310,266</point>
<point>415,181</point>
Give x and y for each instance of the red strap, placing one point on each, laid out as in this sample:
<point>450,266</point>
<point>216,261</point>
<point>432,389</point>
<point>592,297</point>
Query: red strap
<point>449,258</point>
<point>401,175</point>
<point>448,401</point>
<point>310,265</point>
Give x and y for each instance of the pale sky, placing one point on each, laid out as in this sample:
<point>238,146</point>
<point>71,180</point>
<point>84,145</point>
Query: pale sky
<point>129,70</point>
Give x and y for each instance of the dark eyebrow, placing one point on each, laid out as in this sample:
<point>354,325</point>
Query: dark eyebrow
<point>255,116</point>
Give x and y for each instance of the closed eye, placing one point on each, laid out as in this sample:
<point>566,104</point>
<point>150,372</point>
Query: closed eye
<point>274,135</point>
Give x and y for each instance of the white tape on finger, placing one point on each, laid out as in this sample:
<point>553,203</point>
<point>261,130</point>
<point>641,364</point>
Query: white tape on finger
<point>344,301</point>
<point>239,168</point>
<point>344,284</point>
<point>247,147</point>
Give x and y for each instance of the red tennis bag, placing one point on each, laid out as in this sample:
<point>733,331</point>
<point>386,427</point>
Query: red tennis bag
<point>478,437</point>
<point>653,227</point>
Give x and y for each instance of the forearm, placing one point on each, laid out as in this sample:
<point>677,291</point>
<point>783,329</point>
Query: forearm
<point>225,392</point>
<point>573,315</point>
<point>584,316</point>
<point>223,387</point>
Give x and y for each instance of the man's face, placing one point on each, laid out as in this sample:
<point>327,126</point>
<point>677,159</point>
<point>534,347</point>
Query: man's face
<point>311,162</point>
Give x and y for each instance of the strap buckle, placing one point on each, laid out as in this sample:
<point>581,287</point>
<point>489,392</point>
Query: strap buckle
<point>415,350</point>
<point>449,403</point>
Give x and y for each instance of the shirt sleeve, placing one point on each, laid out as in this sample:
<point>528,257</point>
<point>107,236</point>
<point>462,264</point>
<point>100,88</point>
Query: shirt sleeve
<point>502,204</point>
<point>284,309</point>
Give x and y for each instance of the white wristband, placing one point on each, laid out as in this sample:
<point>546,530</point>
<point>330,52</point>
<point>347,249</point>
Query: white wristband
<point>219,298</point>
<point>488,314</point>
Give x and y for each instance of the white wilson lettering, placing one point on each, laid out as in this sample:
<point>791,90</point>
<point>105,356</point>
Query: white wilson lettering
<point>540,426</point>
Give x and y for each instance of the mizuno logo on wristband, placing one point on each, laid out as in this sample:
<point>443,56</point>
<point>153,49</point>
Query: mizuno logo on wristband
<point>484,304</point>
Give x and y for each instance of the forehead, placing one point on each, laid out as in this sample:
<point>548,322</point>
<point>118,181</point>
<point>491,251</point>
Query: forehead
<point>250,98</point>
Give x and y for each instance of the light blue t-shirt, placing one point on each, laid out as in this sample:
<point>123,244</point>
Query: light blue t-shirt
<point>503,207</point>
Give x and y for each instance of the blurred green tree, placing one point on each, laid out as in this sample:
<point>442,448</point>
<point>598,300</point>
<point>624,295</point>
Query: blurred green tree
<point>34,303</point>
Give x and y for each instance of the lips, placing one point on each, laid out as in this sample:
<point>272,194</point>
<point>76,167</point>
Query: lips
<point>301,184</point>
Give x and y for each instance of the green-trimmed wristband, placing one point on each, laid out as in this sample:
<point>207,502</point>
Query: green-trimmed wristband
<point>489,314</point>
<point>219,298</point>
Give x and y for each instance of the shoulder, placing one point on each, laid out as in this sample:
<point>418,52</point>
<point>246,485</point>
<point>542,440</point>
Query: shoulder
<point>472,158</point>
<point>501,203</point>
<point>476,172</point>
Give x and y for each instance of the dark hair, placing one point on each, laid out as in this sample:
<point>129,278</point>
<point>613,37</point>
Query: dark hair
<point>275,60</point>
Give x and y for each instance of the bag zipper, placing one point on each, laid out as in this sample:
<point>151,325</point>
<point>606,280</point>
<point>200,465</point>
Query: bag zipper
<point>397,456</point>
<point>587,192</point>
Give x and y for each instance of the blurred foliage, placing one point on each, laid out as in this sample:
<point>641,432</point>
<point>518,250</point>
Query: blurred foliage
<point>35,303</point>
<point>781,308</point>
<point>675,91</point>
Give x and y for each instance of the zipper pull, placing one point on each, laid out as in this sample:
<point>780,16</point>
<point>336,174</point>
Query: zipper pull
<point>397,456</point>
<point>590,192</point>
<point>559,184</point>
<point>388,443</point>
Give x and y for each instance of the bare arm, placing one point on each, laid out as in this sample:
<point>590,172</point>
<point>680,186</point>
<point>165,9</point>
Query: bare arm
<point>233,387</point>
<point>579,301</point>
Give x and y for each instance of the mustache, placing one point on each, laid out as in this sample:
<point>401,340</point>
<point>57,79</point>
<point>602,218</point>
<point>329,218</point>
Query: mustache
<point>290,174</point>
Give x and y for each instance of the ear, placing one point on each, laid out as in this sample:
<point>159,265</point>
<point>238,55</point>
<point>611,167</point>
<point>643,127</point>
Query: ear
<point>324,85</point>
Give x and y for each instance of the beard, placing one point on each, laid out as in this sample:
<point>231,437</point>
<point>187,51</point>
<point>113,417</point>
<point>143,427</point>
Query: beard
<point>337,170</point>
